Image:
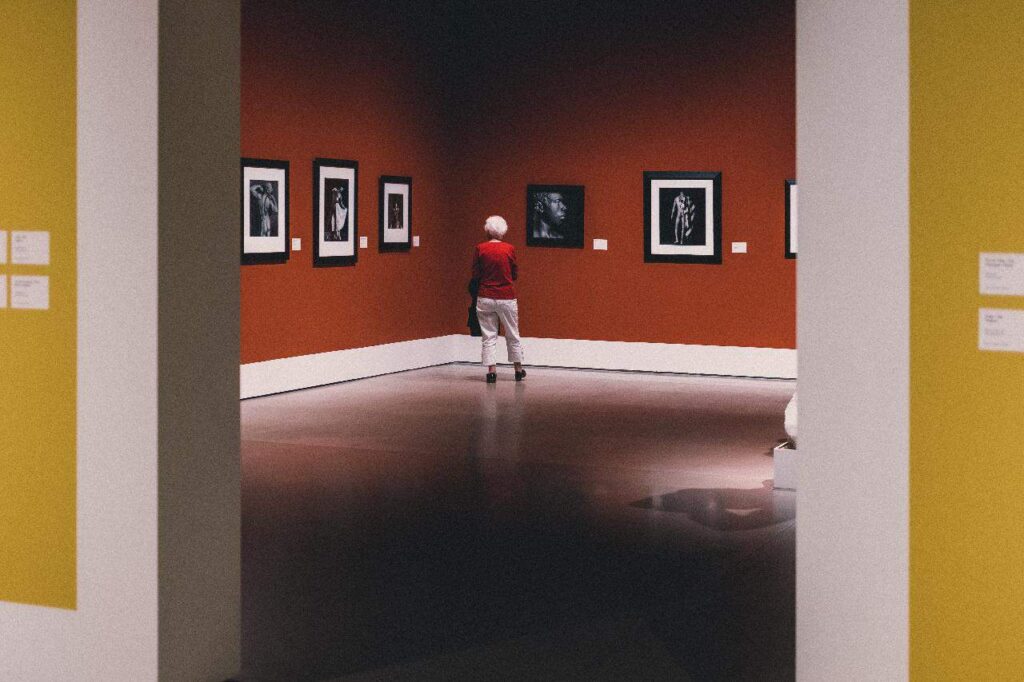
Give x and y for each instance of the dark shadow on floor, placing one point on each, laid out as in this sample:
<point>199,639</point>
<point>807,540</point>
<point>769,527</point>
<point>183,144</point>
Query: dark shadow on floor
<point>592,651</point>
<point>469,565</point>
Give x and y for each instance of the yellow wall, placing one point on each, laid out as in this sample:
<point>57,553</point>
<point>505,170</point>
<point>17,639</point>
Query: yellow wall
<point>967,406</point>
<point>37,348</point>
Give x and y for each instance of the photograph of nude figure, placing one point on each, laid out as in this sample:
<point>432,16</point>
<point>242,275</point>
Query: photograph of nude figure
<point>682,217</point>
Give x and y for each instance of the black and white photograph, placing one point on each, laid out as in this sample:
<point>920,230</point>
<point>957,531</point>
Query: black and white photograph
<point>264,195</point>
<point>791,196</point>
<point>336,201</point>
<point>554,215</point>
<point>395,219</point>
<point>682,217</point>
<point>263,212</point>
<point>334,212</point>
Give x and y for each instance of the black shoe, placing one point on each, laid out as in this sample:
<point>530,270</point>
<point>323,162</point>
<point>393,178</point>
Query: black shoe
<point>520,375</point>
<point>492,377</point>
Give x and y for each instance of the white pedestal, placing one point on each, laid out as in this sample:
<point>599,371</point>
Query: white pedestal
<point>785,467</point>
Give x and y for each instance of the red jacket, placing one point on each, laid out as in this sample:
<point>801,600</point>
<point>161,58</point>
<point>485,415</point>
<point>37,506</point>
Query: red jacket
<point>494,266</point>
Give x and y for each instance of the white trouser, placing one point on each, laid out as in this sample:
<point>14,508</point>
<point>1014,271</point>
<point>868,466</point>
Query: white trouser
<point>489,311</point>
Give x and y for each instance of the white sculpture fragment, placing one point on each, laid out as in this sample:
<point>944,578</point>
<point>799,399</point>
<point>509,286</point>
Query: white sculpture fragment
<point>791,419</point>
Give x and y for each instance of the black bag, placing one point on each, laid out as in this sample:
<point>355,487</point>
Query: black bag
<point>473,322</point>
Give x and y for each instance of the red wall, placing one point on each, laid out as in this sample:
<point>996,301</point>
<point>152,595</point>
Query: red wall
<point>597,97</point>
<point>345,81</point>
<point>477,100</point>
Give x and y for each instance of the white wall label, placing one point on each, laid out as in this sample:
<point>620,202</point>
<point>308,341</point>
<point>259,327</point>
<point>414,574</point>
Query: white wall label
<point>1001,274</point>
<point>739,247</point>
<point>600,245</point>
<point>415,240</point>
<point>1001,330</point>
<point>30,248</point>
<point>296,244</point>
<point>3,247</point>
<point>30,292</point>
<point>362,243</point>
<point>3,291</point>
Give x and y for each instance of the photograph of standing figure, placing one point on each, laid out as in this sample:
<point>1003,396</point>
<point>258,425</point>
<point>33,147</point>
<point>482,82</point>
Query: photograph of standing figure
<point>394,226</point>
<point>336,229</point>
<point>395,212</point>
<point>264,211</point>
<point>335,188</point>
<point>682,217</point>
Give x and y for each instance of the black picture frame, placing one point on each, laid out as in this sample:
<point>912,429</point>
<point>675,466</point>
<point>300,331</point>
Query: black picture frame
<point>265,236</point>
<point>698,193</point>
<point>335,232</point>
<point>394,194</point>
<point>791,218</point>
<point>568,233</point>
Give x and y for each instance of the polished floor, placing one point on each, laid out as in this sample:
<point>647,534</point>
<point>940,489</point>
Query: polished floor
<point>577,526</point>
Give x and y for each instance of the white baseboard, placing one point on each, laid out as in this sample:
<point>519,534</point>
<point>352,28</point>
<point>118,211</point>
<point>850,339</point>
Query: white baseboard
<point>774,363</point>
<point>307,371</point>
<point>320,369</point>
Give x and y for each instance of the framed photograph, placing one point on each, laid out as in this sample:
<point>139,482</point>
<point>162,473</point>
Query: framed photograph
<point>554,215</point>
<point>395,219</point>
<point>264,211</point>
<point>335,187</point>
<point>682,217</point>
<point>790,218</point>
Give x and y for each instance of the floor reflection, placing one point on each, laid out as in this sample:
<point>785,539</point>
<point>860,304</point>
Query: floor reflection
<point>426,524</point>
<point>726,509</point>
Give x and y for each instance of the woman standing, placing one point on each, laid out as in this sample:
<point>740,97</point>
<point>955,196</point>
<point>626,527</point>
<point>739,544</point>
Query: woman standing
<point>495,269</point>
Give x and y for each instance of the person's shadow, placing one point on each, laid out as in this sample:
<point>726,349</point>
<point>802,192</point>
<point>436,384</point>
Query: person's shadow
<point>725,509</point>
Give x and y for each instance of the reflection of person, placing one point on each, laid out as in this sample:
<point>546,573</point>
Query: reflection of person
<point>494,269</point>
<point>682,215</point>
<point>337,220</point>
<point>549,211</point>
<point>267,203</point>
<point>726,509</point>
<point>395,223</point>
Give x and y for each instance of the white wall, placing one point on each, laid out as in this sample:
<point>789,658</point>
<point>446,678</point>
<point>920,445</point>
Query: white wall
<point>113,633</point>
<point>853,316</point>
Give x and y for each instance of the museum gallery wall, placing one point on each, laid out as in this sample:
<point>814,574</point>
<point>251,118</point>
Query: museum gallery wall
<point>479,113</point>
<point>350,82</point>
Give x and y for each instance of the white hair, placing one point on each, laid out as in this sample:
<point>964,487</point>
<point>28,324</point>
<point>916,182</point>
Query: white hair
<point>496,226</point>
